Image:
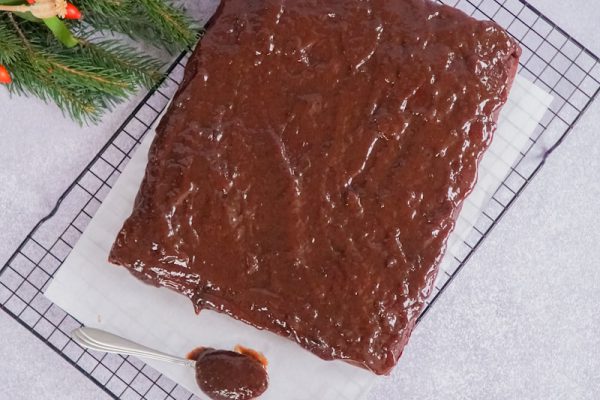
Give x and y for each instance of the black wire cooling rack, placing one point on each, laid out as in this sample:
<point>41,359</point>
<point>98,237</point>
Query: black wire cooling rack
<point>551,58</point>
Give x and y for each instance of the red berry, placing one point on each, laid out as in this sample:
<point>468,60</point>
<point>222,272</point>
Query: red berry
<point>72,12</point>
<point>4,75</point>
<point>31,1</point>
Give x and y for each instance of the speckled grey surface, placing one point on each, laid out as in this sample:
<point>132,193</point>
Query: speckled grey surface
<point>520,322</point>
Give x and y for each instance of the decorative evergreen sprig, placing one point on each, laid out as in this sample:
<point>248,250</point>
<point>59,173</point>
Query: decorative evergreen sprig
<point>10,46</point>
<point>94,74</point>
<point>155,21</point>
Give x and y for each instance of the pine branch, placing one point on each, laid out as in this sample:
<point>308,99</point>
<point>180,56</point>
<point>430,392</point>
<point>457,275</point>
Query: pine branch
<point>83,81</point>
<point>94,76</point>
<point>154,21</point>
<point>143,70</point>
<point>117,16</point>
<point>32,80</point>
<point>172,25</point>
<point>10,45</point>
<point>79,66</point>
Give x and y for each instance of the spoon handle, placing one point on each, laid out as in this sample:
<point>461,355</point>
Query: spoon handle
<point>96,339</point>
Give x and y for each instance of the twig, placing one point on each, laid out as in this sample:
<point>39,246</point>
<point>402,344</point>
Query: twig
<point>19,31</point>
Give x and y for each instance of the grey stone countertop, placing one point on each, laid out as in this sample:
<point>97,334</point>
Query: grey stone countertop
<point>519,322</point>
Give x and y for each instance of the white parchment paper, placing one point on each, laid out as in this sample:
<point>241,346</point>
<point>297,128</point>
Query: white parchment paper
<point>108,297</point>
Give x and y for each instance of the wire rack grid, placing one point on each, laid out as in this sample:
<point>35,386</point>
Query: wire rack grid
<point>551,58</point>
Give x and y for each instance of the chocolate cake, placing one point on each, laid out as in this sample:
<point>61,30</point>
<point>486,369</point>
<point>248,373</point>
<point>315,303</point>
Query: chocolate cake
<point>312,165</point>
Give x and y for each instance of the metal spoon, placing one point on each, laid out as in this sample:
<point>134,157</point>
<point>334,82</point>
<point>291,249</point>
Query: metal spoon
<point>99,340</point>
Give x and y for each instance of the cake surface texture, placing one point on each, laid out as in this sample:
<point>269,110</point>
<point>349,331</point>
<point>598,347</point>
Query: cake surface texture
<point>310,168</point>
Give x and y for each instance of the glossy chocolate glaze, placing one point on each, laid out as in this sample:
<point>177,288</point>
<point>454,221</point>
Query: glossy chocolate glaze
<point>311,167</point>
<point>228,375</point>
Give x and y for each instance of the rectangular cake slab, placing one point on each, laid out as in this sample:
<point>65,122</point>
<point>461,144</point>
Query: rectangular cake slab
<point>98,295</point>
<point>311,167</point>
